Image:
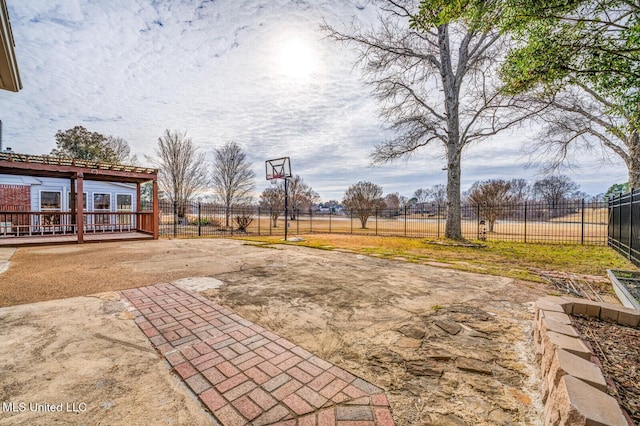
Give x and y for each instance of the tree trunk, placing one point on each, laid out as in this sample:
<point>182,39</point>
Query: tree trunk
<point>451,87</point>
<point>453,227</point>
<point>363,220</point>
<point>633,163</point>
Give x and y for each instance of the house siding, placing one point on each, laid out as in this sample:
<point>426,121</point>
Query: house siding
<point>89,187</point>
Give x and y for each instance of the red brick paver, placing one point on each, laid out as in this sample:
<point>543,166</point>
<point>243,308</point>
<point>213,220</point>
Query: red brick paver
<point>245,374</point>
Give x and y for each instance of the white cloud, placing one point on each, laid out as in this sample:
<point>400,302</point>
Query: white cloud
<point>132,68</point>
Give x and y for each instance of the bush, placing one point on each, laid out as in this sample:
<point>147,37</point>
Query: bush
<point>243,222</point>
<point>207,221</point>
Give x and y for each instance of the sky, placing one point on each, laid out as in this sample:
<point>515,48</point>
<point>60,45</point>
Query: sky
<point>256,72</point>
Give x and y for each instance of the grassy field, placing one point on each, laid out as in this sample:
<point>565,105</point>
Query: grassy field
<point>508,259</point>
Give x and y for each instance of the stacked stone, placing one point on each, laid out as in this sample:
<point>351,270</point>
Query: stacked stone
<point>574,389</point>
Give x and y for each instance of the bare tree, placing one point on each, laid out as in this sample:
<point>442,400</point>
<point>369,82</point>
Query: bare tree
<point>363,198</point>
<point>301,195</point>
<point>392,201</point>
<point>121,150</point>
<point>433,78</point>
<point>582,120</point>
<point>421,195</point>
<point>182,168</point>
<point>272,199</point>
<point>520,190</point>
<point>233,179</point>
<point>438,194</point>
<point>490,196</point>
<point>554,189</point>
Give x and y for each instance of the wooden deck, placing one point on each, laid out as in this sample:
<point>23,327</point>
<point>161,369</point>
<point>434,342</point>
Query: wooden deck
<point>72,238</point>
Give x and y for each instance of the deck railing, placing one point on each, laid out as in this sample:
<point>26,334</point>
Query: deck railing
<point>22,223</point>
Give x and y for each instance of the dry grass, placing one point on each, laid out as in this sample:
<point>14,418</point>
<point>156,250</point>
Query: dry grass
<point>508,259</point>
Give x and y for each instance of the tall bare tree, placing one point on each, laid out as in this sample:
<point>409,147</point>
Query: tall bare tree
<point>490,196</point>
<point>421,195</point>
<point>121,150</point>
<point>431,69</point>
<point>182,170</point>
<point>520,189</point>
<point>438,194</point>
<point>554,189</point>
<point>272,200</point>
<point>363,199</point>
<point>233,179</point>
<point>580,119</point>
<point>301,195</point>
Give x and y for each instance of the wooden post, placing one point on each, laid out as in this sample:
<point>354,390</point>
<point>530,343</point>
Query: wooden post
<point>72,202</point>
<point>156,211</point>
<point>80,207</point>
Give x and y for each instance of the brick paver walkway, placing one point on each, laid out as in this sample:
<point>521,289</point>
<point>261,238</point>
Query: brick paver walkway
<point>246,374</point>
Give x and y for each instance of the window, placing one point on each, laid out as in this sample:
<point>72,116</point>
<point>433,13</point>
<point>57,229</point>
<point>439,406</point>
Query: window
<point>84,200</point>
<point>101,202</point>
<point>50,200</point>
<point>124,202</point>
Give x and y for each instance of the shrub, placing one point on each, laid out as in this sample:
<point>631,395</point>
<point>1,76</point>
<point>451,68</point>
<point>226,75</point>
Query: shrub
<point>243,222</point>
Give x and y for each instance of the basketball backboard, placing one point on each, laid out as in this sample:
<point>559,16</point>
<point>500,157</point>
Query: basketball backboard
<point>279,168</point>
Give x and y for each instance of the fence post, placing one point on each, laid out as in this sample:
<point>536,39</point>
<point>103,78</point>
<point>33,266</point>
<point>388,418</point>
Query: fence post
<point>438,218</point>
<point>199,220</point>
<point>310,220</point>
<point>478,219</point>
<point>405,221</point>
<point>620,221</point>
<point>631,223</point>
<point>270,225</point>
<point>582,222</point>
<point>525,221</point>
<point>175,219</point>
<point>376,213</point>
<point>351,220</point>
<point>331,208</point>
<point>259,220</point>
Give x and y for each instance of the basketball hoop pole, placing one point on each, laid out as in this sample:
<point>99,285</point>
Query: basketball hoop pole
<point>286,209</point>
<point>280,168</point>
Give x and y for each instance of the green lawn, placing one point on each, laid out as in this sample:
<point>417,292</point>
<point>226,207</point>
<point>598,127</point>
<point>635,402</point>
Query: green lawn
<point>497,258</point>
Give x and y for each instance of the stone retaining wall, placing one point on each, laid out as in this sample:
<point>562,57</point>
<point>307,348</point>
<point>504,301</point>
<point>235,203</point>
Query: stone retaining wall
<point>574,389</point>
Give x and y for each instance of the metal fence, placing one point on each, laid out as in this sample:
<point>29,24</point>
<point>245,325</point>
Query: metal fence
<point>624,225</point>
<point>576,222</point>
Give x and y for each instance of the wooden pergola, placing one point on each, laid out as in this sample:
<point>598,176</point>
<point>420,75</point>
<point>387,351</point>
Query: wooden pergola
<point>77,171</point>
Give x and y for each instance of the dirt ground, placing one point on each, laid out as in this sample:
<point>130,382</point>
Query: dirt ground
<point>448,347</point>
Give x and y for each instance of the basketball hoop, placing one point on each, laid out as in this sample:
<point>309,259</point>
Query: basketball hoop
<point>279,168</point>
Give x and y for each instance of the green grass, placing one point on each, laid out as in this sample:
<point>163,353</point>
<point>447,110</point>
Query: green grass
<point>507,259</point>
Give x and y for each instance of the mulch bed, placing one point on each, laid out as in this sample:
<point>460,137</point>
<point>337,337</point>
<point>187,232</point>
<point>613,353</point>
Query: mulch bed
<point>618,348</point>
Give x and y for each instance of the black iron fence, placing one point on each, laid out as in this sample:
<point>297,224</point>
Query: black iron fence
<point>624,225</point>
<point>576,222</point>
